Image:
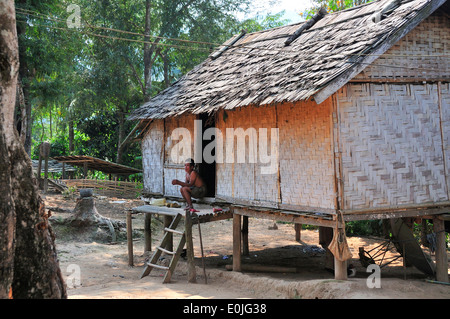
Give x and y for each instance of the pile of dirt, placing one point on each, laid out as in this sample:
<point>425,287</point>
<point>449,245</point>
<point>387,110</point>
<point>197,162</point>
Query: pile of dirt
<point>103,271</point>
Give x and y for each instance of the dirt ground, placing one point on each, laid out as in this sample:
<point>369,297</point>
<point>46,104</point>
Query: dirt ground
<point>99,270</point>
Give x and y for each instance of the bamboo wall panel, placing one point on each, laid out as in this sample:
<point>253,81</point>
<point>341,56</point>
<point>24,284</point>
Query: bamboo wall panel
<point>152,157</point>
<point>174,165</point>
<point>171,174</point>
<point>305,176</point>
<point>245,180</point>
<point>391,145</point>
<point>306,155</point>
<point>445,111</point>
<point>422,53</point>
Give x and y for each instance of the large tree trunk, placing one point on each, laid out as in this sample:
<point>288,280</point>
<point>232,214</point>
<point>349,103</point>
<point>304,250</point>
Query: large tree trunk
<point>24,86</point>
<point>28,263</point>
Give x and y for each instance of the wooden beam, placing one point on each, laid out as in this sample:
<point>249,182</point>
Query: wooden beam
<point>287,216</point>
<point>399,80</point>
<point>305,26</point>
<point>395,213</point>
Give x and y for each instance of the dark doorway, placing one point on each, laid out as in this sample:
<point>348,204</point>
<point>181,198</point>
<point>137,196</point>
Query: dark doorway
<point>208,170</point>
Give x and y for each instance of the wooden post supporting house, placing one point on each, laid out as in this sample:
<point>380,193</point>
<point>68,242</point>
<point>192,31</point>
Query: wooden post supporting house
<point>167,221</point>
<point>236,242</point>
<point>130,238</point>
<point>192,277</point>
<point>148,232</point>
<point>298,232</point>
<point>340,269</point>
<point>441,250</point>
<point>245,250</point>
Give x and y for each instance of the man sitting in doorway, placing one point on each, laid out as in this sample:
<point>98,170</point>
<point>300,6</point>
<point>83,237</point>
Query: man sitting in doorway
<point>194,185</point>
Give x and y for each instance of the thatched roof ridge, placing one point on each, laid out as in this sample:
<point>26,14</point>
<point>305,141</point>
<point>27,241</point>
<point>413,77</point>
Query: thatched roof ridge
<point>259,69</point>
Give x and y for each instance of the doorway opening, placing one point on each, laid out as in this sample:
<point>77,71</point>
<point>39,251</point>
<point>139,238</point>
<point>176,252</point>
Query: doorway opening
<point>208,170</point>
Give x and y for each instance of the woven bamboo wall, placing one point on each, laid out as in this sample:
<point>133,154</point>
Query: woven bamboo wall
<point>306,170</point>
<point>306,158</point>
<point>174,167</point>
<point>390,138</point>
<point>244,180</point>
<point>421,54</point>
<point>444,99</point>
<point>152,157</point>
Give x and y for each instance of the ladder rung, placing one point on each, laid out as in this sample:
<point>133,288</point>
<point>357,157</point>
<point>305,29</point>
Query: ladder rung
<point>173,231</point>
<point>165,250</point>
<point>158,266</point>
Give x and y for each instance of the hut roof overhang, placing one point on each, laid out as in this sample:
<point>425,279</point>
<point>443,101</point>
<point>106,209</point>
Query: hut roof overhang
<point>97,164</point>
<point>261,68</point>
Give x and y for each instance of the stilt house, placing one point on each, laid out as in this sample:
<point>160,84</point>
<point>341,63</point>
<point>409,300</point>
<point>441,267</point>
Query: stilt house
<point>356,111</point>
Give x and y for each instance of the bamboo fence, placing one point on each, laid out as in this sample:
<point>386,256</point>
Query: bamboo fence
<point>108,188</point>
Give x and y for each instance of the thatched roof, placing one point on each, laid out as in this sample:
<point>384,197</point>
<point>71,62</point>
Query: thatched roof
<point>259,68</point>
<point>53,166</point>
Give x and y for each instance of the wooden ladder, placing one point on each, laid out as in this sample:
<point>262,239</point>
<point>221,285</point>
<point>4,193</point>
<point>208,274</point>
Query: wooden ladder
<point>169,231</point>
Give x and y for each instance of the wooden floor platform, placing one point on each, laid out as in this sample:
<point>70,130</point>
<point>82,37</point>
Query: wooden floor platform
<point>204,215</point>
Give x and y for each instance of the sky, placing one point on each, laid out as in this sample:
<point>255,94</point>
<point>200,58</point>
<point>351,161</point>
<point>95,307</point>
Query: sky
<point>292,8</point>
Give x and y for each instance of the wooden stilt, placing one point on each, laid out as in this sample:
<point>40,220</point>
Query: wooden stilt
<point>340,269</point>
<point>245,250</point>
<point>236,242</point>
<point>147,232</point>
<point>192,276</point>
<point>298,232</point>
<point>130,239</point>
<point>441,250</point>
<point>167,222</point>
<point>325,237</point>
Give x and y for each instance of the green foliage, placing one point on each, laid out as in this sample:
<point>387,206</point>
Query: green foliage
<point>331,6</point>
<point>87,80</point>
<point>364,228</point>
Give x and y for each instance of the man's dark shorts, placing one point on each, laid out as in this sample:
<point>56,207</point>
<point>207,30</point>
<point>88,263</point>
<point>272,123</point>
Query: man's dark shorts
<point>198,192</point>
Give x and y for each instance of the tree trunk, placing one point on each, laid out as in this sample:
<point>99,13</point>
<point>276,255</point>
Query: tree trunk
<point>121,137</point>
<point>147,52</point>
<point>24,86</point>
<point>28,263</point>
<point>166,70</point>
<point>71,136</point>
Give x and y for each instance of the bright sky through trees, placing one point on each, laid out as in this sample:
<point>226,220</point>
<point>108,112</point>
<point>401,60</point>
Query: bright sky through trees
<point>292,8</point>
